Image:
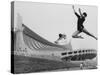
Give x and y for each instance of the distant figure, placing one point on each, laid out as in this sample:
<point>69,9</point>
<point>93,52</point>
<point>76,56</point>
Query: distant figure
<point>81,66</point>
<point>80,27</point>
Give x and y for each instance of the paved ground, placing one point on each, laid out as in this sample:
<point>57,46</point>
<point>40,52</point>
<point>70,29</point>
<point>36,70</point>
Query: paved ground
<point>27,64</point>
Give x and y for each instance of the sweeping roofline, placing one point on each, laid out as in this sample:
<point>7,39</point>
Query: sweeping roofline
<point>35,36</point>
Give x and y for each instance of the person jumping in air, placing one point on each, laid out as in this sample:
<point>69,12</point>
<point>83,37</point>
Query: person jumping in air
<point>62,37</point>
<point>62,40</point>
<point>80,28</point>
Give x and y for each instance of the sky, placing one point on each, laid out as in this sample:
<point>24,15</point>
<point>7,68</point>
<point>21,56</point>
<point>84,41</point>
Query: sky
<point>48,20</point>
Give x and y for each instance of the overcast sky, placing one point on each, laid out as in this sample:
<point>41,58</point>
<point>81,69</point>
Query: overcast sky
<point>48,20</point>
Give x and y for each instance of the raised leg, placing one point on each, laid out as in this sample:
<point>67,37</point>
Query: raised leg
<point>86,32</point>
<point>75,34</point>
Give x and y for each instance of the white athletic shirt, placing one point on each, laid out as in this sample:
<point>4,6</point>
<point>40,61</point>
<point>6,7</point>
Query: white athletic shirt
<point>62,42</point>
<point>65,43</point>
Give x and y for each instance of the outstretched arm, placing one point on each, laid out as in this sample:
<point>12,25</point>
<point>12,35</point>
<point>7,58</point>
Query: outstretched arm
<point>80,12</point>
<point>73,8</point>
<point>75,12</point>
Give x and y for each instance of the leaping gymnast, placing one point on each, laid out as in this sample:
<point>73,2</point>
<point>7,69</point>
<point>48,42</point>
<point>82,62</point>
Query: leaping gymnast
<point>80,28</point>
